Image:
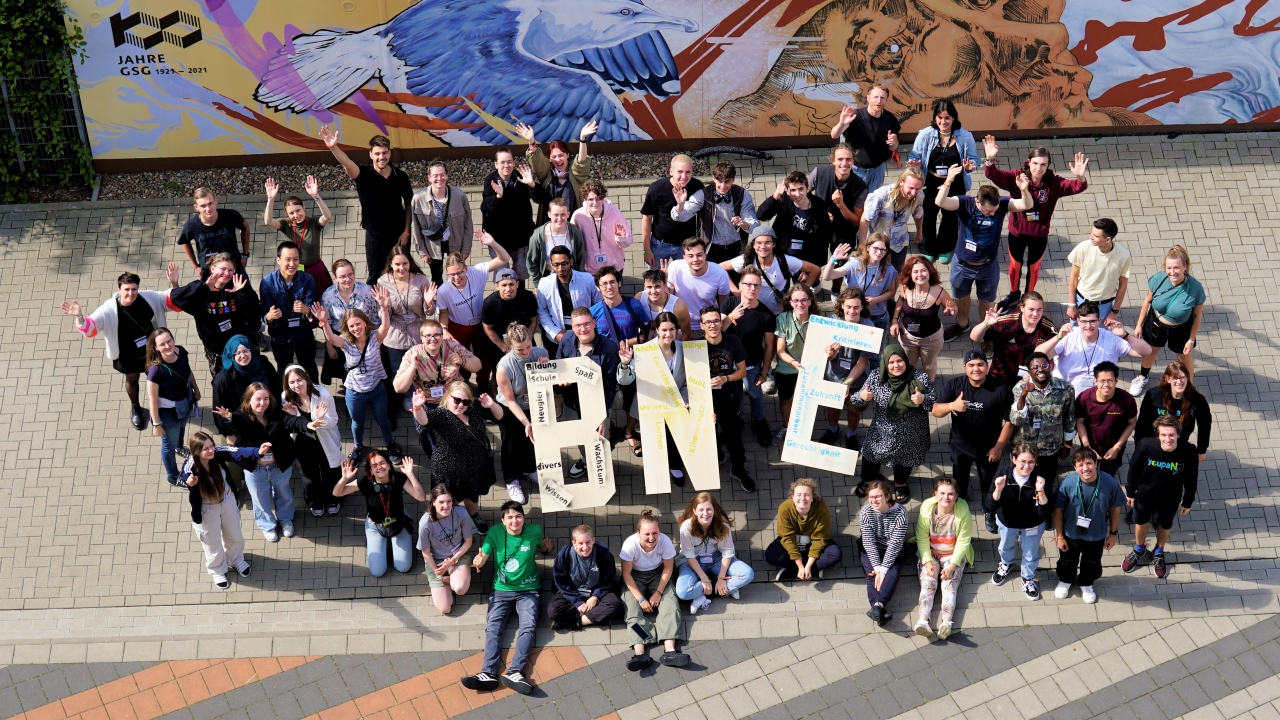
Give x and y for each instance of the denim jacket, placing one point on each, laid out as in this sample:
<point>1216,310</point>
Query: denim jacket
<point>582,290</point>
<point>273,292</point>
<point>927,140</point>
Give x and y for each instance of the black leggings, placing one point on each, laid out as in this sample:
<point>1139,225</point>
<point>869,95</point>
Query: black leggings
<point>901,474</point>
<point>939,240</point>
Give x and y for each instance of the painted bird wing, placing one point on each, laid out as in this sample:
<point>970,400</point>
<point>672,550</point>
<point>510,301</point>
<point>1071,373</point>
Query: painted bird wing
<point>642,64</point>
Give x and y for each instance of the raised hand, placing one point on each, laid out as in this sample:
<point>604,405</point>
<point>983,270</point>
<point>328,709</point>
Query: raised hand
<point>406,465</point>
<point>486,402</point>
<point>832,350</point>
<point>272,188</point>
<point>959,405</point>
<point>990,147</point>
<point>526,132</point>
<point>992,316</point>
<point>917,397</point>
<point>319,410</point>
<point>780,192</point>
<point>1116,327</point>
<point>1023,181</point>
<point>588,130</point>
<point>497,188</point>
<point>329,136</point>
<point>953,172</point>
<point>969,164</point>
<point>1079,166</point>
<point>949,307</point>
<point>382,296</point>
<point>1066,327</point>
<point>348,469</point>
<point>837,197</point>
<point>998,484</point>
<point>289,408</point>
<point>222,412</point>
<point>739,312</point>
<point>172,273</point>
<point>526,175</point>
<point>313,186</point>
<point>865,394</point>
<point>321,314</point>
<point>848,113</point>
<point>274,314</point>
<point>842,252</point>
<point>429,294</point>
<point>484,237</point>
<point>419,399</point>
<point>619,230</point>
<point>891,140</point>
<point>71,308</point>
<point>239,283</point>
<point>680,194</point>
<point>1039,485</point>
<point>625,353</point>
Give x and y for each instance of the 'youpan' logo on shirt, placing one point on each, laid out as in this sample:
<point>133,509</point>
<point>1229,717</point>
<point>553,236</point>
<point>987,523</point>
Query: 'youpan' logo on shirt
<point>1173,467</point>
<point>177,28</point>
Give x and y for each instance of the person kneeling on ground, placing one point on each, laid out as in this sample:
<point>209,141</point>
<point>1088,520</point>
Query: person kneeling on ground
<point>587,582</point>
<point>804,546</point>
<point>1087,520</point>
<point>648,563</point>
<point>445,536</point>
<point>513,546</point>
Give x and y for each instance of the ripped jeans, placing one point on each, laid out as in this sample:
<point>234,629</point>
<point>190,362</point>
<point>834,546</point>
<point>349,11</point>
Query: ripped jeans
<point>929,582</point>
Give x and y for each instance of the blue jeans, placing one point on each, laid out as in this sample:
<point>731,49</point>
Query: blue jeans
<point>753,392</point>
<point>272,496</point>
<point>873,177</point>
<point>689,587</point>
<point>376,546</point>
<point>1030,538</point>
<point>376,400</point>
<point>662,250</point>
<point>500,605</point>
<point>1104,308</point>
<point>171,440</point>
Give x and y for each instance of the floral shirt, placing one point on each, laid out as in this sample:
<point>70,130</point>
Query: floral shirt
<point>361,299</point>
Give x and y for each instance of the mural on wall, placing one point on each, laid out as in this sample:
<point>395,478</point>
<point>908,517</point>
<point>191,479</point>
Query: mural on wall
<point>174,78</point>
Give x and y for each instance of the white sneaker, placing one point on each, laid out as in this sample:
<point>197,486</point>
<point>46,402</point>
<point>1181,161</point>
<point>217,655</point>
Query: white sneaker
<point>1138,385</point>
<point>922,627</point>
<point>1062,591</point>
<point>287,528</point>
<point>769,387</point>
<point>944,629</point>
<point>515,492</point>
<point>701,603</point>
<point>735,595</point>
<point>271,535</point>
<point>1087,592</point>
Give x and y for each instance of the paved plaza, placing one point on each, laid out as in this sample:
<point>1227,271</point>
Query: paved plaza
<point>106,610</point>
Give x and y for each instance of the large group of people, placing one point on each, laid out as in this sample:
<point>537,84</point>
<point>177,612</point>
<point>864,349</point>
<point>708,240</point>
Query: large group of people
<point>420,339</point>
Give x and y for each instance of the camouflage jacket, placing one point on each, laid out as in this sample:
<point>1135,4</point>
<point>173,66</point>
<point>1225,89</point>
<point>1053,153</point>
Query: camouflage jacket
<point>1048,419</point>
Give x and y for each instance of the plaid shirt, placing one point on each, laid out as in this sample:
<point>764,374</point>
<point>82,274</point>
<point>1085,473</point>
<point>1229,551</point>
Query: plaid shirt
<point>1047,419</point>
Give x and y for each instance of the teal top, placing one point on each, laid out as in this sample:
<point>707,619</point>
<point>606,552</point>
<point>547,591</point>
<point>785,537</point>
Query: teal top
<point>1175,303</point>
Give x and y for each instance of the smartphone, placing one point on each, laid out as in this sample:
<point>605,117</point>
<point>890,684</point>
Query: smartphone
<point>635,627</point>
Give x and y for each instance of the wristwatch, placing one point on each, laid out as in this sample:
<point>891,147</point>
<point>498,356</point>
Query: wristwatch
<point>1115,532</point>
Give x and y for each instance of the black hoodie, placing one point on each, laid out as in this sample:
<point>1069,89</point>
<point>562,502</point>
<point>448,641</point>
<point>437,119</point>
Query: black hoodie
<point>1017,508</point>
<point>1157,477</point>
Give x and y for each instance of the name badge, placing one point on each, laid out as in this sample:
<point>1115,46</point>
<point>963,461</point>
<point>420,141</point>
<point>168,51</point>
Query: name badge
<point>1033,215</point>
<point>224,326</point>
<point>803,540</point>
<point>797,244</point>
<point>1083,522</point>
<point>295,322</point>
<point>971,246</point>
<point>600,259</point>
<point>941,169</point>
<point>140,342</point>
<point>1035,424</point>
<point>436,392</point>
<point>913,328</point>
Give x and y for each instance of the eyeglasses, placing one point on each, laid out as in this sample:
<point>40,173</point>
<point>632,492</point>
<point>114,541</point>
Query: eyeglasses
<point>1039,366</point>
<point>749,284</point>
<point>562,264</point>
<point>461,402</point>
<point>432,336</point>
<point>874,249</point>
<point>457,273</point>
<point>1084,321</point>
<point>706,323</point>
<point>800,301</point>
<point>608,283</point>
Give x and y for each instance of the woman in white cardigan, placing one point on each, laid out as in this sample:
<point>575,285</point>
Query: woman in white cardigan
<point>124,325</point>
<point>319,449</point>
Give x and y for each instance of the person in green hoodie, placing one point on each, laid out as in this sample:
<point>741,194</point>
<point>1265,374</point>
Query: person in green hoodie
<point>804,546</point>
<point>943,535</point>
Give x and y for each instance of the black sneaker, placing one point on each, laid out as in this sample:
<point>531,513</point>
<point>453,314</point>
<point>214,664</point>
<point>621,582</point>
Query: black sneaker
<point>482,527</point>
<point>1158,565</point>
<point>674,658</point>
<point>764,433</point>
<point>722,455</point>
<point>786,573</point>
<point>636,663</point>
<point>851,442</point>
<point>885,616</point>
<point>356,454</point>
<point>395,453</point>
<point>954,331</point>
<point>480,681</point>
<point>578,469</point>
<point>744,479</point>
<point>137,417</point>
<point>829,437</point>
<point>677,480</point>
<point>991,523</point>
<point>1008,302</point>
<point>1031,589</point>
<point>1001,574</point>
<point>515,680</point>
<point>1132,560</point>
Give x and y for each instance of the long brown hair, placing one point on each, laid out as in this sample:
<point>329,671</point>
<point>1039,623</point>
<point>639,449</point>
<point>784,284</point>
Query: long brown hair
<point>1183,412</point>
<point>721,523</point>
<point>401,251</point>
<point>292,396</point>
<point>209,480</point>
<point>153,354</point>
<point>246,408</point>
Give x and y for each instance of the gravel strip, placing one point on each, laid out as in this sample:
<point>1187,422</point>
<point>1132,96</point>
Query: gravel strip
<point>248,181</point>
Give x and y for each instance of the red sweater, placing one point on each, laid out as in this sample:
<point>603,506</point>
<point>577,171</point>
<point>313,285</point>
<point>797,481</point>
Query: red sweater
<point>1045,194</point>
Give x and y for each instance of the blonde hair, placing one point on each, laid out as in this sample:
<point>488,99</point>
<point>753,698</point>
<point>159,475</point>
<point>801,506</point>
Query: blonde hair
<point>1177,252</point>
<point>201,193</point>
<point>681,159</point>
<point>895,193</point>
<point>517,332</point>
<point>459,385</point>
<point>863,253</point>
<point>803,482</point>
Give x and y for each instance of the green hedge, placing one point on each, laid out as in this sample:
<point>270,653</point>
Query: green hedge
<point>36,48</point>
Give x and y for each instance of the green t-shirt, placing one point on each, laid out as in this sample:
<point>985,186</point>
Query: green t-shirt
<point>307,240</point>
<point>514,569</point>
<point>1175,303</point>
<point>793,334</point>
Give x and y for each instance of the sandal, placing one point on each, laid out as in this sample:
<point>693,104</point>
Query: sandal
<point>861,490</point>
<point>901,494</point>
<point>636,449</point>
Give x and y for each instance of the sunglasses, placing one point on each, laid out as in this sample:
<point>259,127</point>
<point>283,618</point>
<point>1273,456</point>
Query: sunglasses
<point>461,402</point>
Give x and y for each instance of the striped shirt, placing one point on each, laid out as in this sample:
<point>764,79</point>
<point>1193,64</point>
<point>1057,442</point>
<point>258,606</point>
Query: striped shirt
<point>883,534</point>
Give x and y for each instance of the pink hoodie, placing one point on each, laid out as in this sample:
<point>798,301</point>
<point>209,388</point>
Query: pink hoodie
<point>611,249</point>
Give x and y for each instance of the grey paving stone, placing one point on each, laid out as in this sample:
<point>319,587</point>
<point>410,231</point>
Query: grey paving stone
<point>1016,649</point>
<point>1233,675</point>
<point>245,696</point>
<point>1170,703</point>
<point>1212,684</point>
<point>30,693</point>
<point>312,700</point>
<point>1144,707</point>
<point>839,712</point>
<point>839,691</point>
<point>216,706</point>
<point>286,707</point>
<point>1104,700</point>
<point>884,705</point>
<point>1199,659</point>
<point>596,702</point>
<point>10,705</point>
<point>1167,673</point>
<point>806,704</point>
<point>1192,694</point>
<point>905,693</point>
<point>1252,663</point>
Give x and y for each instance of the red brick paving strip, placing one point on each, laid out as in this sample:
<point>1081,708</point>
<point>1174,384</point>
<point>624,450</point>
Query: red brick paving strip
<point>437,695</point>
<point>163,688</point>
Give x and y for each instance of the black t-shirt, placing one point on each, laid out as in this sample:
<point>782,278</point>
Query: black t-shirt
<point>498,313</point>
<point>723,359</point>
<point>133,325</point>
<point>803,232</point>
<point>659,201</point>
<point>219,314</point>
<point>751,328</point>
<point>870,135</point>
<point>566,302</point>
<point>173,378</point>
<point>853,192</point>
<point>975,431</point>
<point>220,237</point>
<point>385,504</point>
<point>383,199</point>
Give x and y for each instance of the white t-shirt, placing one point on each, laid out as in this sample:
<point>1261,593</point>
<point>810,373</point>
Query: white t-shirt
<point>554,241</point>
<point>464,305</point>
<point>698,292</point>
<point>705,548</point>
<point>775,279</point>
<point>646,561</point>
<point>1076,359</point>
<point>880,216</point>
